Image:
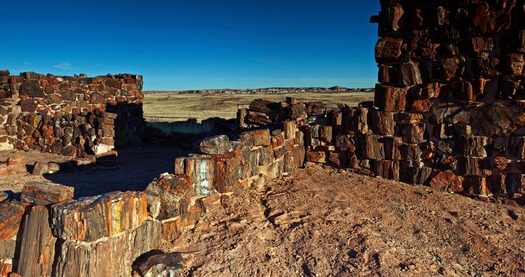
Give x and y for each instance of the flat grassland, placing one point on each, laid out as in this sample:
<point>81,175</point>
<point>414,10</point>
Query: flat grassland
<point>173,106</point>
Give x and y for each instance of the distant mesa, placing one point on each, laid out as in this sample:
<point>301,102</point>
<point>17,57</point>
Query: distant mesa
<point>274,90</point>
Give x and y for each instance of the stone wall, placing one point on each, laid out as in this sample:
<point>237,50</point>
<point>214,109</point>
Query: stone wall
<point>449,109</point>
<point>48,233</point>
<point>73,116</point>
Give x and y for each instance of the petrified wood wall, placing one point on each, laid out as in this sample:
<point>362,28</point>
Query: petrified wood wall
<point>451,75</point>
<point>74,116</point>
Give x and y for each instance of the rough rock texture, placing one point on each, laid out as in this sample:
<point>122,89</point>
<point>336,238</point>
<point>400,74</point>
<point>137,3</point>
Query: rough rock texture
<point>10,217</point>
<point>72,116</point>
<point>159,264</point>
<point>215,145</point>
<point>499,120</point>
<point>37,250</point>
<point>447,181</point>
<point>93,218</point>
<point>174,191</point>
<point>45,193</point>
<point>111,256</point>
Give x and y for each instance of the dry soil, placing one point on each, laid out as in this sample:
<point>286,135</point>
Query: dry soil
<point>325,222</point>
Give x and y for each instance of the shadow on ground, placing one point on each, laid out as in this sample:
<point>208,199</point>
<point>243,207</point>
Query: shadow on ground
<point>136,168</point>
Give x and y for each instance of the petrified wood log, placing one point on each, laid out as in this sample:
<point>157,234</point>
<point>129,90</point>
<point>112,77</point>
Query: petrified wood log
<point>92,218</point>
<point>37,250</point>
<point>45,193</point>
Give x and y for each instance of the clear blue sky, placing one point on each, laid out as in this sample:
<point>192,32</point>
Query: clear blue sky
<point>196,44</point>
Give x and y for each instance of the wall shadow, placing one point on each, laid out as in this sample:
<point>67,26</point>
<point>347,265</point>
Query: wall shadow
<point>136,168</point>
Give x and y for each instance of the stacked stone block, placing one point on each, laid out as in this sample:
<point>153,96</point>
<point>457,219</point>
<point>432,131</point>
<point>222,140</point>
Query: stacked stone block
<point>450,98</point>
<point>73,116</point>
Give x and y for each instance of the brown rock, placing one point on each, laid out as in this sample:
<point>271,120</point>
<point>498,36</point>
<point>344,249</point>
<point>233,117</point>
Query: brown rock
<point>450,68</point>
<point>31,88</point>
<point>383,123</point>
<point>227,169</point>
<point>262,106</point>
<point>421,106</point>
<point>4,73</point>
<point>371,147</point>
<point>256,138</point>
<point>516,147</point>
<point>10,218</point>
<point>501,163</point>
<point>28,105</point>
<point>447,181</point>
<point>45,193</point>
<point>37,251</point>
<point>476,185</point>
<point>515,64</point>
<point>3,196</point>
<point>386,169</point>
<point>258,118</point>
<point>39,168</point>
<point>12,166</point>
<point>482,44</point>
<point>296,112</point>
<point>111,256</point>
<point>315,108</point>
<point>316,156</point>
<point>477,166</point>
<point>414,133</point>
<point>390,99</point>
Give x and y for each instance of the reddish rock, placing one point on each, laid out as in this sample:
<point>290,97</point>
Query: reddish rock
<point>501,163</point>
<point>316,156</point>
<point>256,138</point>
<point>388,49</point>
<point>447,181</point>
<point>390,99</point>
<point>258,118</point>
<point>4,73</point>
<point>200,169</point>
<point>421,106</point>
<point>10,218</point>
<point>45,193</point>
<point>28,105</point>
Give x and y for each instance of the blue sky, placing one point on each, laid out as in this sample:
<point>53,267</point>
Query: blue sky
<point>196,44</point>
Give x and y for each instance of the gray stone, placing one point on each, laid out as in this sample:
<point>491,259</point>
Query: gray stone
<point>215,145</point>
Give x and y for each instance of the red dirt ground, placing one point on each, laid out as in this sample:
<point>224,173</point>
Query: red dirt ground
<point>327,222</point>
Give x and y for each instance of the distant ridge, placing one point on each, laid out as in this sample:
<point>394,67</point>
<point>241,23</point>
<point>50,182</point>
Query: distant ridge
<point>274,90</point>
